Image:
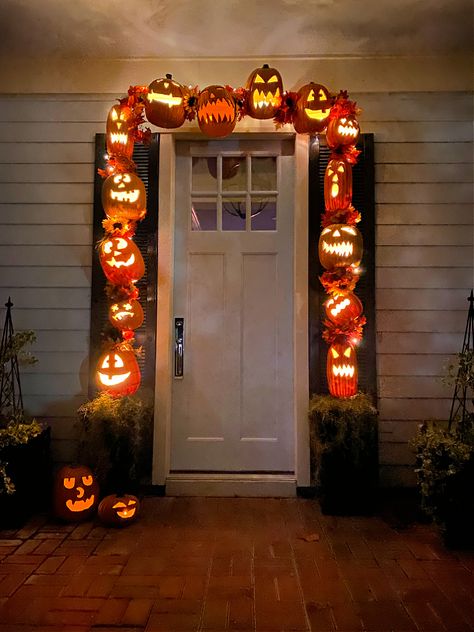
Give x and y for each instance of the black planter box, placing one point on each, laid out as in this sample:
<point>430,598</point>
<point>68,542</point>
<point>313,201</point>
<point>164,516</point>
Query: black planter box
<point>30,468</point>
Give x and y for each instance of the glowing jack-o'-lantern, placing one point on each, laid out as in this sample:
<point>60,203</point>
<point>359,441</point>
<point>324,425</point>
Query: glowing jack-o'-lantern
<point>338,185</point>
<point>121,260</point>
<point>340,245</point>
<point>118,510</point>
<point>119,139</point>
<point>342,131</point>
<point>216,111</point>
<point>124,197</point>
<point>164,105</point>
<point>126,314</point>
<point>76,493</point>
<point>341,370</point>
<point>265,87</point>
<point>312,109</point>
<point>118,372</point>
<point>342,306</point>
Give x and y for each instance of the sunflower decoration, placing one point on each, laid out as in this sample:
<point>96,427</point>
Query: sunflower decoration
<point>352,330</point>
<point>349,216</point>
<point>240,96</point>
<point>190,102</point>
<point>118,293</point>
<point>119,228</point>
<point>285,112</point>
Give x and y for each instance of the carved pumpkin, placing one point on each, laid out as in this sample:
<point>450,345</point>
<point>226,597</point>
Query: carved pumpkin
<point>338,185</point>
<point>340,245</point>
<point>312,109</point>
<point>164,105</point>
<point>118,372</point>
<point>118,510</point>
<point>216,111</point>
<point>121,260</point>
<point>119,140</point>
<point>75,494</point>
<point>126,314</point>
<point>342,306</point>
<point>124,197</point>
<point>343,130</point>
<point>341,370</point>
<point>265,88</point>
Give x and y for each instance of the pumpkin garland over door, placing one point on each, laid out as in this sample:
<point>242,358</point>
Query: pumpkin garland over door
<point>338,185</point>
<point>216,111</point>
<point>124,197</point>
<point>164,104</point>
<point>265,87</point>
<point>313,106</point>
<point>119,138</point>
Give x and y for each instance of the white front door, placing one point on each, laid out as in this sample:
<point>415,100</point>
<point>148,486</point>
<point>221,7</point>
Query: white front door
<point>232,399</point>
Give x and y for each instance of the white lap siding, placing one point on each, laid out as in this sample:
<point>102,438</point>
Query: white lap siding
<point>424,253</point>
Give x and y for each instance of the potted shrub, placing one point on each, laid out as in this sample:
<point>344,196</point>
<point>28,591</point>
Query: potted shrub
<point>344,453</point>
<point>445,461</point>
<point>115,441</point>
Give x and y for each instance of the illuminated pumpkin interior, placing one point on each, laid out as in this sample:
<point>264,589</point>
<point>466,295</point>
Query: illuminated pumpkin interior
<point>342,368</point>
<point>348,127</point>
<point>340,248</point>
<point>335,175</point>
<point>166,98</point>
<point>269,98</point>
<point>81,503</point>
<point>125,510</point>
<point>109,374</point>
<point>118,121</point>
<point>122,191</point>
<point>315,112</point>
<point>214,108</point>
<point>115,247</point>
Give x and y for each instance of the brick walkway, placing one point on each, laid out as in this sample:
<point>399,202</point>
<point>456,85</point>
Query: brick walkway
<point>233,564</point>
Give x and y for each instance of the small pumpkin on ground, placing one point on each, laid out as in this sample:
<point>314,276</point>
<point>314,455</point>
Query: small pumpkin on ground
<point>119,510</point>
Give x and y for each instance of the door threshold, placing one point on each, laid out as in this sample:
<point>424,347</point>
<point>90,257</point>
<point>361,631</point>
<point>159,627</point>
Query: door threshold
<point>231,485</point>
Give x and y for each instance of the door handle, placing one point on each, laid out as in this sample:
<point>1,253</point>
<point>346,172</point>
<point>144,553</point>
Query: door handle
<point>178,347</point>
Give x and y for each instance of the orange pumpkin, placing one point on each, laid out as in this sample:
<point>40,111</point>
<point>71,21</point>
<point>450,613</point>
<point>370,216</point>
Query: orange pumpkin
<point>342,131</point>
<point>75,493</point>
<point>124,197</point>
<point>265,87</point>
<point>164,105</point>
<point>126,314</point>
<point>119,139</point>
<point>340,245</point>
<point>342,306</point>
<point>118,373</point>
<point>313,105</point>
<point>338,185</point>
<point>216,111</point>
<point>119,510</point>
<point>121,260</point>
<point>341,370</point>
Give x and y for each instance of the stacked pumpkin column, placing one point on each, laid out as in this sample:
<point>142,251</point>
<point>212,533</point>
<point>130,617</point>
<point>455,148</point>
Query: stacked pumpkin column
<point>124,203</point>
<point>340,252</point>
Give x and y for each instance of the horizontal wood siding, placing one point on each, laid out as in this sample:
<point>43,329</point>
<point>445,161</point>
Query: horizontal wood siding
<point>424,254</point>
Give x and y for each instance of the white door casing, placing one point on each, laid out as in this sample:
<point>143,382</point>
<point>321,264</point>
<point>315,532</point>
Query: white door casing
<point>233,410</point>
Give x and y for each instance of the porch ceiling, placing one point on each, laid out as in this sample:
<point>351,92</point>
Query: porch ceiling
<point>233,28</point>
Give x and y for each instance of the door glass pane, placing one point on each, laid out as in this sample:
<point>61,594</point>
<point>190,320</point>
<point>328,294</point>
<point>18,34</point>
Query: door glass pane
<point>233,213</point>
<point>264,174</point>
<point>234,173</point>
<point>204,214</point>
<point>204,174</point>
<point>264,213</point>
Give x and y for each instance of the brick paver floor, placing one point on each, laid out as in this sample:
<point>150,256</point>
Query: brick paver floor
<point>202,564</point>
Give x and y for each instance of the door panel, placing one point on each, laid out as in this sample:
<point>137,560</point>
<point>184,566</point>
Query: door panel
<point>232,410</point>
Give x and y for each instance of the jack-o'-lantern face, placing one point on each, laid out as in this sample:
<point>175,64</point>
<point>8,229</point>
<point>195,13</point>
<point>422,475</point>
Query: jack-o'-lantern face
<point>124,197</point>
<point>118,510</point>
<point>121,260</point>
<point>126,314</point>
<point>164,105</point>
<point>216,111</point>
<point>342,131</point>
<point>265,88</point>
<point>118,372</point>
<point>342,306</point>
<point>119,140</point>
<point>340,245</point>
<point>75,493</point>
<point>338,185</point>
<point>341,370</point>
<point>312,109</point>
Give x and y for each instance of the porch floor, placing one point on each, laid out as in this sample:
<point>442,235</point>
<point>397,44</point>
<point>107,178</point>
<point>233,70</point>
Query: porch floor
<point>202,564</point>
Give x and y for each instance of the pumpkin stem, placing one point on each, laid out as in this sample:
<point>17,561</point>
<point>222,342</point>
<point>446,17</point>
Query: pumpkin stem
<point>169,75</point>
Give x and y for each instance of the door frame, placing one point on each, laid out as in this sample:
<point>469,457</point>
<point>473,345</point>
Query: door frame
<point>165,332</point>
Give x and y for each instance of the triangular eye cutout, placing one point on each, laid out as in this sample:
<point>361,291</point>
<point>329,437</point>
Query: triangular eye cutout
<point>340,168</point>
<point>105,363</point>
<point>118,361</point>
<point>310,96</point>
<point>325,231</point>
<point>273,79</point>
<point>258,79</point>
<point>330,171</point>
<point>114,114</point>
<point>108,247</point>
<point>348,229</point>
<point>347,352</point>
<point>321,95</point>
<point>334,353</point>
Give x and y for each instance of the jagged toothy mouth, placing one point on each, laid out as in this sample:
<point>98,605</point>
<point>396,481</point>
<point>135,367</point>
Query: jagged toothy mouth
<point>80,505</point>
<point>113,263</point>
<point>125,196</point>
<point>340,307</point>
<point>343,370</point>
<point>265,100</point>
<point>218,111</point>
<point>343,249</point>
<point>119,137</point>
<point>346,130</point>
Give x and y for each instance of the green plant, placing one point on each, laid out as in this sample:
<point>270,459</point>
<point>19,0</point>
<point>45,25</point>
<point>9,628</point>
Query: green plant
<point>115,440</point>
<point>344,452</point>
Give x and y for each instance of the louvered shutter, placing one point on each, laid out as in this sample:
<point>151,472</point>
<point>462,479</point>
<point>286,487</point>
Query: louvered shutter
<point>146,238</point>
<point>363,200</point>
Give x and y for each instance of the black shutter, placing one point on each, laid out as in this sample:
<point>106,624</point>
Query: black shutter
<point>364,201</point>
<point>146,238</point>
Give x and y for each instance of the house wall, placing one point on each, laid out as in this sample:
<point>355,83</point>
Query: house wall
<point>420,111</point>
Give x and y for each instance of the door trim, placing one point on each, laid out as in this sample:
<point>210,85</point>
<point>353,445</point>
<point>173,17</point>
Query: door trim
<point>165,340</point>
<point>244,485</point>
